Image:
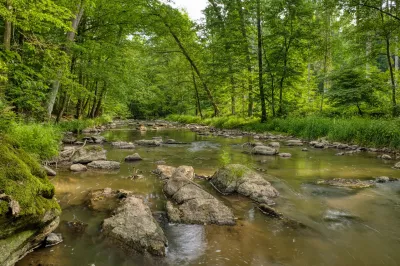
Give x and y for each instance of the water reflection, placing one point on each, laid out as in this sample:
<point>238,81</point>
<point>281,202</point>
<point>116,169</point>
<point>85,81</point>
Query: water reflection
<point>372,238</point>
<point>186,243</point>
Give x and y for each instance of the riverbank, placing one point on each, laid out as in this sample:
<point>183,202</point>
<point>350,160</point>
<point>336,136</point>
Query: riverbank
<point>372,133</point>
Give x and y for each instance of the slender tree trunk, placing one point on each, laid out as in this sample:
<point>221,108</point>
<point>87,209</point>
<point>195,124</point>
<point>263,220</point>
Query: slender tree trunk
<point>273,95</point>
<point>260,64</point>
<point>198,106</point>
<point>94,100</point>
<point>392,76</point>
<point>70,38</point>
<point>62,107</point>
<point>248,58</point>
<point>233,92</point>
<point>7,28</point>
<point>280,110</point>
<point>100,101</point>
<point>192,63</point>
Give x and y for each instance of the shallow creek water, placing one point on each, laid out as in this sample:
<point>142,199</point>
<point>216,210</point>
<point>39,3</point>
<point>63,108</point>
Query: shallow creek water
<point>345,227</point>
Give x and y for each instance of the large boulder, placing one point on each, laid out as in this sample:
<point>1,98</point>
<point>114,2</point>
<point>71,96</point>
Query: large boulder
<point>104,165</point>
<point>89,154</point>
<point>189,203</point>
<point>28,209</point>
<point>397,166</point>
<point>264,150</point>
<point>241,179</point>
<point>133,228</point>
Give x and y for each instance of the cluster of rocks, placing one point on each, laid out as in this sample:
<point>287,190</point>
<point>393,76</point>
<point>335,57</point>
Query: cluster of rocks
<point>355,183</point>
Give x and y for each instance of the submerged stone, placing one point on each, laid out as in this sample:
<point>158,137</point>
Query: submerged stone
<point>104,165</point>
<point>151,142</point>
<point>347,183</point>
<point>89,154</point>
<point>133,158</point>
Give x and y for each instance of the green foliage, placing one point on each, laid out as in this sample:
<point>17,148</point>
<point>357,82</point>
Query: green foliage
<point>225,158</point>
<point>77,125</point>
<point>39,140</point>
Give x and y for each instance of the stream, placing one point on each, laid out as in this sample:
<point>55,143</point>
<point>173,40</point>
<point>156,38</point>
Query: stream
<point>344,226</point>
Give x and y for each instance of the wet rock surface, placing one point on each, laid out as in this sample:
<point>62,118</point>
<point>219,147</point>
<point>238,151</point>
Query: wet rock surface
<point>78,168</point>
<point>164,171</point>
<point>49,171</point>
<point>133,228</point>
<point>53,239</point>
<point>123,145</point>
<point>241,179</point>
<point>347,183</point>
<point>105,165</point>
<point>150,143</point>
<point>89,154</point>
<point>264,150</point>
<point>189,203</point>
<point>133,158</point>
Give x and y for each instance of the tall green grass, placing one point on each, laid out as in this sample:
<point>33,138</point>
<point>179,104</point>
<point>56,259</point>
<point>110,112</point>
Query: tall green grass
<point>41,141</point>
<point>77,126</point>
<point>360,131</point>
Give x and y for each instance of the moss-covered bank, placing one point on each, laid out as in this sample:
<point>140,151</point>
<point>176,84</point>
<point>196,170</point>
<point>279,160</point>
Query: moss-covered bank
<point>27,203</point>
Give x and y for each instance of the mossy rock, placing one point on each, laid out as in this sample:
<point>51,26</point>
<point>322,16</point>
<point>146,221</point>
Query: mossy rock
<point>241,179</point>
<point>23,180</point>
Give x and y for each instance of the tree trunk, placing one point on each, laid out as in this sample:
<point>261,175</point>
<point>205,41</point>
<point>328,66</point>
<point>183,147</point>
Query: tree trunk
<point>198,106</point>
<point>192,63</point>
<point>248,58</point>
<point>260,64</point>
<point>392,77</point>
<point>100,101</point>
<point>70,38</point>
<point>62,107</point>
<point>7,29</point>
<point>280,110</point>
<point>91,114</point>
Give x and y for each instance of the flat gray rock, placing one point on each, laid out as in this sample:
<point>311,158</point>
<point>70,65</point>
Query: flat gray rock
<point>104,165</point>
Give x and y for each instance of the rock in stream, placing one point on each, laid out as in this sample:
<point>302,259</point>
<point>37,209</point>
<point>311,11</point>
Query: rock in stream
<point>189,203</point>
<point>241,179</point>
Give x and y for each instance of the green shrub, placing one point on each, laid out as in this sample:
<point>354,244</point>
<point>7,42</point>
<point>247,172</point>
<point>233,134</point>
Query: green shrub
<point>42,141</point>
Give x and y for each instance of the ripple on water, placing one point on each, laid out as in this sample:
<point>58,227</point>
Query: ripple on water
<point>203,145</point>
